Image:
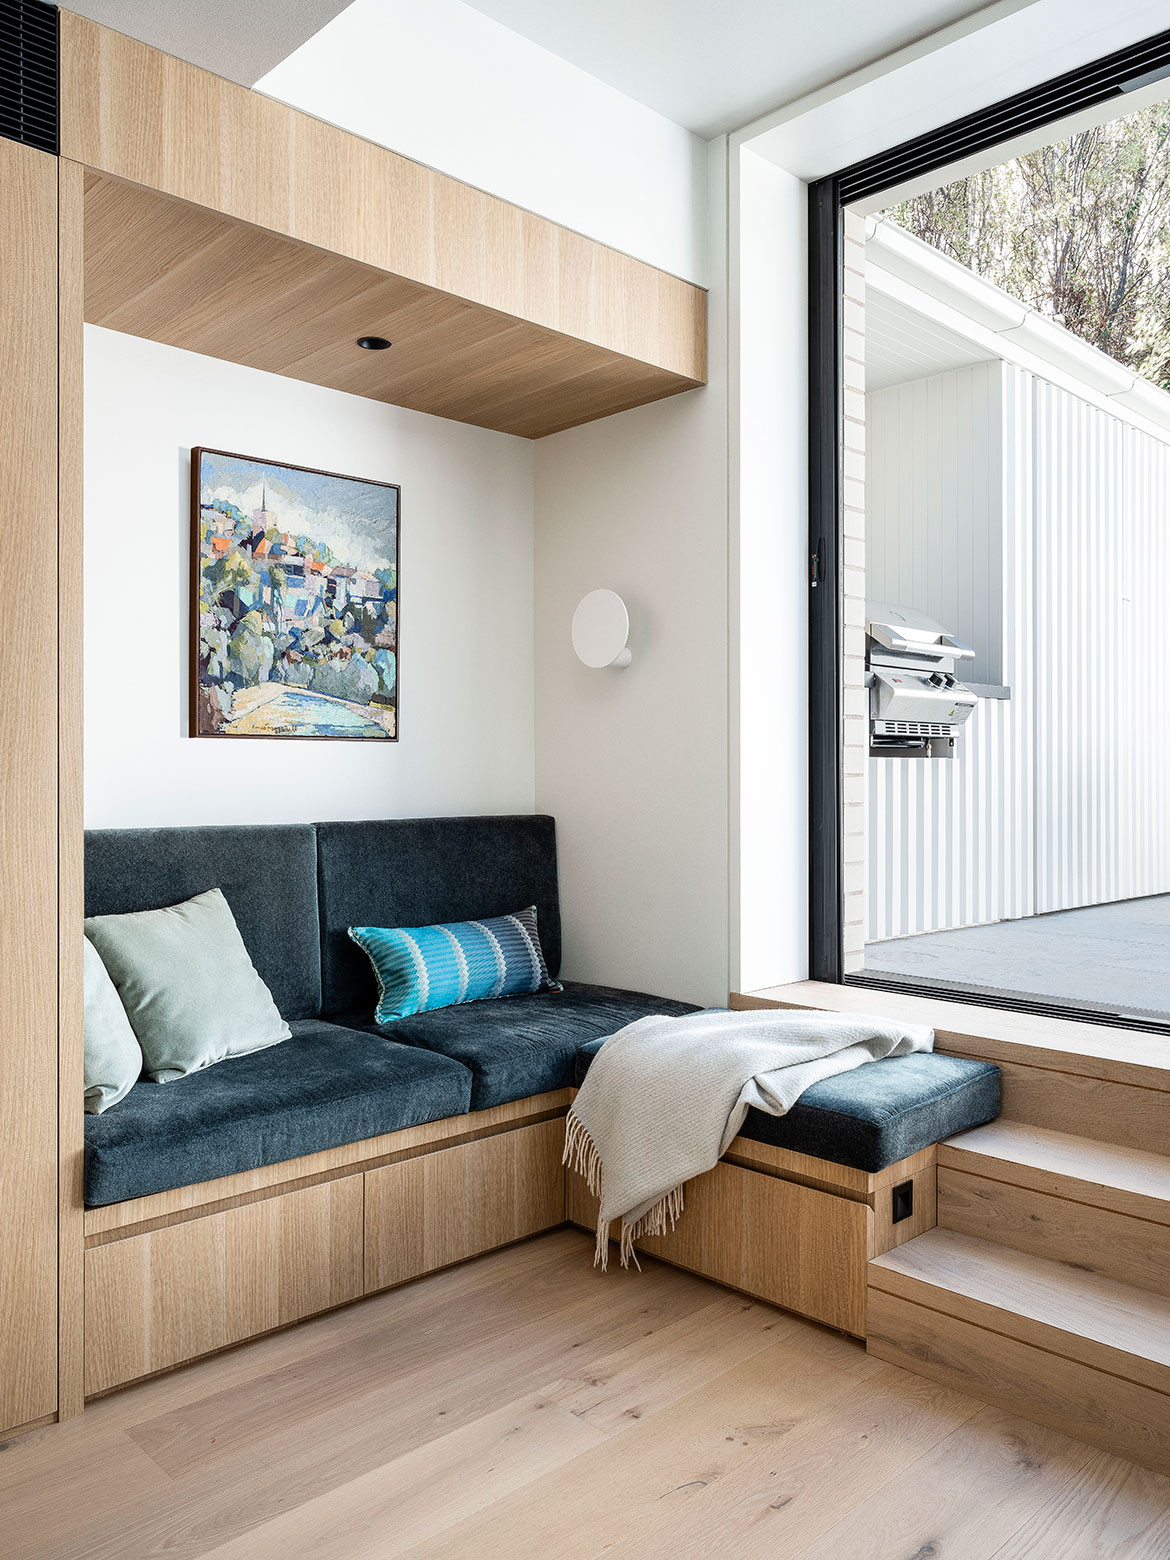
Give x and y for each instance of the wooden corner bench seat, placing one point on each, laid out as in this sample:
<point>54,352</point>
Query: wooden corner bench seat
<point>354,1157</point>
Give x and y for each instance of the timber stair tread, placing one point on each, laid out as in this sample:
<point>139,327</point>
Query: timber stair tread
<point>1103,1175</point>
<point>1055,1306</point>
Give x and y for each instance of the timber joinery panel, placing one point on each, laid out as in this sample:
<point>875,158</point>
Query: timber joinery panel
<point>70,805</point>
<point>28,787</point>
<point>776,1239</point>
<point>230,224</point>
<point>428,1212</point>
<point>173,1293</point>
<point>155,1300</point>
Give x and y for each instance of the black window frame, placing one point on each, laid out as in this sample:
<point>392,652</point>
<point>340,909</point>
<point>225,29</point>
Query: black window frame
<point>1110,78</point>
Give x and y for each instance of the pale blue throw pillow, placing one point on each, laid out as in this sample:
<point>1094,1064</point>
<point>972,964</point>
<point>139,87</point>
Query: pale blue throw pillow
<point>113,1057</point>
<point>419,968</point>
<point>189,988</point>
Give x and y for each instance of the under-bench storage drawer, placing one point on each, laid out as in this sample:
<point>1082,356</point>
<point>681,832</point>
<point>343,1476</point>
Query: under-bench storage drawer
<point>790,1244</point>
<point>154,1300</point>
<point>425,1213</point>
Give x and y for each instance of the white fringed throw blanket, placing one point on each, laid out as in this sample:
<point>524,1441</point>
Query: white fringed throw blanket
<point>664,1097</point>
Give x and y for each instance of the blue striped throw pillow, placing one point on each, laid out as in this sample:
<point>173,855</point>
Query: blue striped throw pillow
<point>423,967</point>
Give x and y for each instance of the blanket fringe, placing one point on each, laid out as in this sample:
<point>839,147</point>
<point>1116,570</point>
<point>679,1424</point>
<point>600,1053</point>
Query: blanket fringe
<point>581,1155</point>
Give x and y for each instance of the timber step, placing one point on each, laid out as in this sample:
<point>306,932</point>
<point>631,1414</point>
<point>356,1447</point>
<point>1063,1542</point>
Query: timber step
<point>1097,1206</point>
<point>1044,1339</point>
<point>1104,1175</point>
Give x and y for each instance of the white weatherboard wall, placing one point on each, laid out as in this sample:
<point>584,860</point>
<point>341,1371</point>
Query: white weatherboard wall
<point>447,86</point>
<point>466,705</point>
<point>1054,518</point>
<point>934,505</point>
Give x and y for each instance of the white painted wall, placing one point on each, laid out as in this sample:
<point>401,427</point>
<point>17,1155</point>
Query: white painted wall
<point>467,591</point>
<point>633,763</point>
<point>447,86</point>
<point>768,612</point>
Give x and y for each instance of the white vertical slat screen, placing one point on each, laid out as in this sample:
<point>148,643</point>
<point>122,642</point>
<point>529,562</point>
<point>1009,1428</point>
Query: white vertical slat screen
<point>1034,525</point>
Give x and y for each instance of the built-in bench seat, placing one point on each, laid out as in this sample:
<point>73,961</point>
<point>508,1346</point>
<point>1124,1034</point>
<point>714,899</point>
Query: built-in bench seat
<point>336,1083</point>
<point>875,1115</point>
<point>355,1156</point>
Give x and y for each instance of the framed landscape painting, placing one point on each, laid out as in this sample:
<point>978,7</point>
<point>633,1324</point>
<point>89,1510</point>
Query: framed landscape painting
<point>295,601</point>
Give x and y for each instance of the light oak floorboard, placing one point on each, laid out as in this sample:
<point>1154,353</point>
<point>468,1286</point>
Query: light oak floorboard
<point>473,1332</point>
<point>281,1454</point>
<point>1122,1514</point>
<point>646,1416</point>
<point>781,1499</point>
<point>928,1510</point>
<point>390,1509</point>
<point>654,1468</point>
<point>420,1494</point>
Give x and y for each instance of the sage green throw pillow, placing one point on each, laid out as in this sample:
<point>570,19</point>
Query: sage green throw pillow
<point>190,990</point>
<point>113,1057</point>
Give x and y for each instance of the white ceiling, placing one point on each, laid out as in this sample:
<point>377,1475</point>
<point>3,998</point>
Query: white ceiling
<point>233,38</point>
<point>715,65</point>
<point>711,65</point>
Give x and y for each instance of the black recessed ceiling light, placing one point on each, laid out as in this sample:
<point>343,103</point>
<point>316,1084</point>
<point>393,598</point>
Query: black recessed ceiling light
<point>373,343</point>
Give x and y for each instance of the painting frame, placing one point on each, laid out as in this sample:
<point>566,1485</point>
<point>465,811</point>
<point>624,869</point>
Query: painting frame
<point>196,727</point>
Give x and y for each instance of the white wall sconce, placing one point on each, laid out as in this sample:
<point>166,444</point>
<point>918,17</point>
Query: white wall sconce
<point>601,630</point>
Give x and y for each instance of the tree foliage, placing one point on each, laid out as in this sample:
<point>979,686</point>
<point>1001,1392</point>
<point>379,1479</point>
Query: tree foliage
<point>1079,230</point>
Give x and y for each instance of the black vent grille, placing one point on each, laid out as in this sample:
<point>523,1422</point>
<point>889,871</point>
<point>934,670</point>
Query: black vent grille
<point>28,73</point>
<point>1108,78</point>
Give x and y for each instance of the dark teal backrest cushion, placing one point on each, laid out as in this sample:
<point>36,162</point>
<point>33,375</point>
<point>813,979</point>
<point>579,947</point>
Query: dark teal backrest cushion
<point>268,874</point>
<point>424,872</point>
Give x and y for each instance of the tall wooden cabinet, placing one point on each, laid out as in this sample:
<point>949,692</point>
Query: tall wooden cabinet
<point>29,821</point>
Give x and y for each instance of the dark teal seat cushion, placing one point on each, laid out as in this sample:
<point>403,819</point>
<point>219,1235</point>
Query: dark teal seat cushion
<point>517,1046</point>
<point>877,1114</point>
<point>324,1087</point>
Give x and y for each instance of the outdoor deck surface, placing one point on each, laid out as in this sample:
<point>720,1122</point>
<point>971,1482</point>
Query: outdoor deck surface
<point>1115,958</point>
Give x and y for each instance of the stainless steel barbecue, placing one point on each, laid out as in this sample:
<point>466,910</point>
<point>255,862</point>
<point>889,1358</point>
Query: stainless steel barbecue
<point>916,701</point>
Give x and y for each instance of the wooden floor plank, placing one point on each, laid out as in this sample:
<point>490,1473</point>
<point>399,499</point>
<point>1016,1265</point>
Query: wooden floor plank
<point>620,1491</point>
<point>390,1405</point>
<point>526,1407</point>
<point>44,1496</point>
<point>613,1393</point>
<point>389,1510</point>
<point>1121,1514</point>
<point>928,1509</point>
<point>782,1498</point>
<point>477,1320</point>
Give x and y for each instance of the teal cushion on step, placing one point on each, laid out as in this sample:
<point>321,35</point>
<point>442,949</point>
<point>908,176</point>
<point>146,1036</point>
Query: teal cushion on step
<point>877,1114</point>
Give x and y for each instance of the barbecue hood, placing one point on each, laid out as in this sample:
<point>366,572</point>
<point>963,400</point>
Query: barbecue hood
<point>916,701</point>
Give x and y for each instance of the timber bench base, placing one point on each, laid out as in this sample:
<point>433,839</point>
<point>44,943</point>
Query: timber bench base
<point>787,1228</point>
<point>178,1275</point>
